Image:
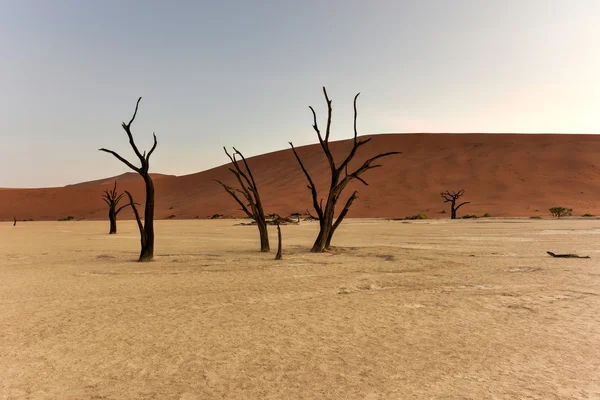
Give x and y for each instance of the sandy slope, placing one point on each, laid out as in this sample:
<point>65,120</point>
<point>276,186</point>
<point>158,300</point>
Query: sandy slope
<point>437,309</point>
<point>504,175</point>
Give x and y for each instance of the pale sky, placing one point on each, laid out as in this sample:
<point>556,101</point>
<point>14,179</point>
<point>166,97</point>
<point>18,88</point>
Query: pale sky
<point>243,73</point>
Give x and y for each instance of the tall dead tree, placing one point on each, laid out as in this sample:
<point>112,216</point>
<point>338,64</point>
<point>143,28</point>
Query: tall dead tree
<point>452,197</point>
<point>147,231</point>
<point>250,203</point>
<point>111,198</point>
<point>340,177</point>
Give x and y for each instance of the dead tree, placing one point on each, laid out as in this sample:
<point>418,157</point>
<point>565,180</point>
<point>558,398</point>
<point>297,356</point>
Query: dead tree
<point>15,223</point>
<point>452,197</point>
<point>147,231</point>
<point>278,255</point>
<point>112,199</point>
<point>251,203</point>
<point>340,177</point>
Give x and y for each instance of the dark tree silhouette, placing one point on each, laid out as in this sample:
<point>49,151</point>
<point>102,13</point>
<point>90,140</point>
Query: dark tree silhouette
<point>143,237</point>
<point>15,223</point>
<point>452,197</point>
<point>111,198</point>
<point>560,212</point>
<point>340,177</point>
<point>147,230</point>
<point>251,203</point>
<point>278,255</point>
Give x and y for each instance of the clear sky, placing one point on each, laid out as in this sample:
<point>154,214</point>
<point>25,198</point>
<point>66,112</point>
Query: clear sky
<point>243,73</point>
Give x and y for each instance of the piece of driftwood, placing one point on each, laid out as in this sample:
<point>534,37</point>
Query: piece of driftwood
<point>566,255</point>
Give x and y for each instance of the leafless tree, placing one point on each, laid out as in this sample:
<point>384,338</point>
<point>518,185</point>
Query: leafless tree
<point>452,197</point>
<point>147,230</point>
<point>340,177</point>
<point>111,198</point>
<point>250,203</point>
<point>15,223</point>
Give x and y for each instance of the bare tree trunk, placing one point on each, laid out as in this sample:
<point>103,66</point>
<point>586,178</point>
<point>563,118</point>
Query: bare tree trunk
<point>147,253</point>
<point>15,223</point>
<point>264,237</point>
<point>323,240</point>
<point>278,256</point>
<point>112,216</point>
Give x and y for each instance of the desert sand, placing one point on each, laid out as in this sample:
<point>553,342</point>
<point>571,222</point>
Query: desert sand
<point>422,310</point>
<point>505,175</point>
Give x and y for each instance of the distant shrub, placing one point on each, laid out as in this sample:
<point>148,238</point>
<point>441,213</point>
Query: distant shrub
<point>418,216</point>
<point>559,212</point>
<point>587,215</point>
<point>535,217</point>
<point>170,208</point>
<point>486,215</point>
<point>69,218</point>
<point>469,216</point>
<point>443,212</point>
<point>171,216</point>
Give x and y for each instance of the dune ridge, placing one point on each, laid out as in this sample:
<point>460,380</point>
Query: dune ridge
<point>504,175</point>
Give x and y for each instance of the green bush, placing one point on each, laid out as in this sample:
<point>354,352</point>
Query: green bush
<point>587,215</point>
<point>535,217</point>
<point>418,216</point>
<point>559,212</point>
<point>486,215</point>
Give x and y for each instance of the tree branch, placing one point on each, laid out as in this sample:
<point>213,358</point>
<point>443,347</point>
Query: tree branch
<point>127,129</point>
<point>355,118</point>
<point>231,192</point>
<point>311,186</point>
<point>137,215</point>
<point>153,147</point>
<point>342,215</point>
<point>122,207</point>
<point>460,205</point>
<point>124,161</point>
<point>366,166</point>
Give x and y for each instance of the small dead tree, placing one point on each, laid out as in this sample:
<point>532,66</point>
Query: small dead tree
<point>15,223</point>
<point>452,197</point>
<point>340,177</point>
<point>251,203</point>
<point>147,230</point>
<point>111,198</point>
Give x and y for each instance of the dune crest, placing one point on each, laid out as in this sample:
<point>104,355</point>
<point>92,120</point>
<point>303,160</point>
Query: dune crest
<point>502,174</point>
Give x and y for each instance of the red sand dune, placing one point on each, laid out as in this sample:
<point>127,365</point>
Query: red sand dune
<point>503,175</point>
